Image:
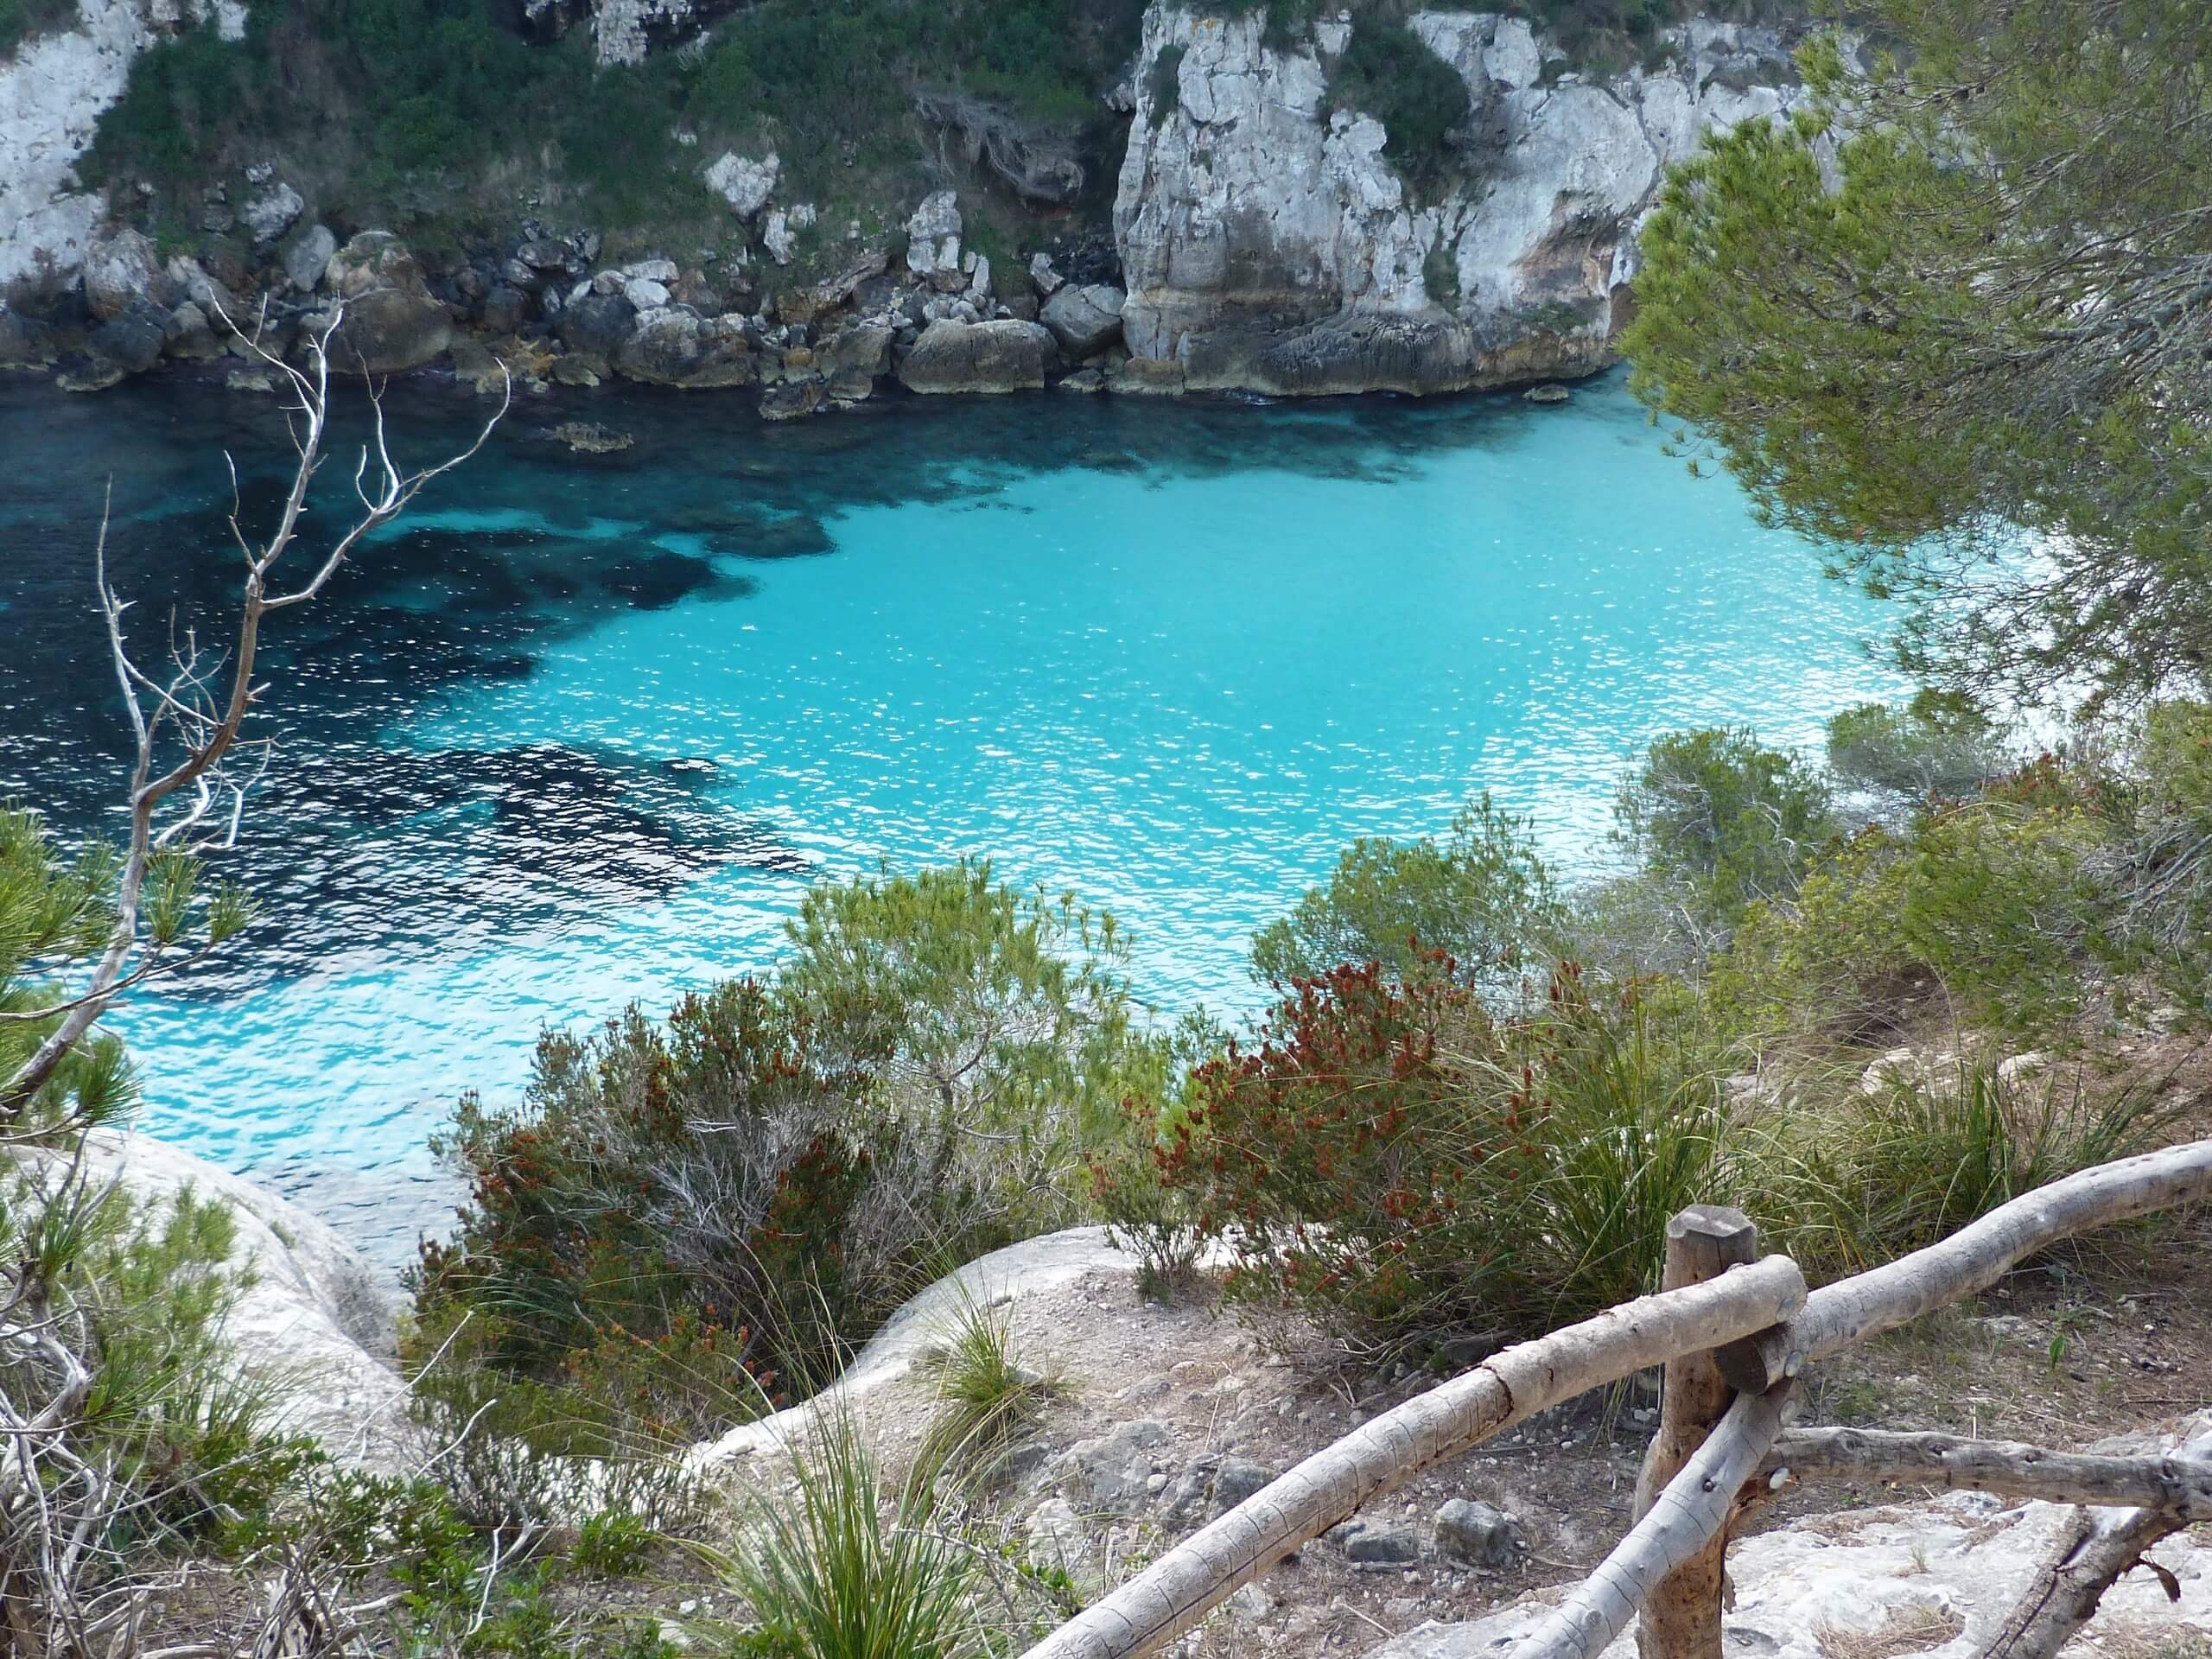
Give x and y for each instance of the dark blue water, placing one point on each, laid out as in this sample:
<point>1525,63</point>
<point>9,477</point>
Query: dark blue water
<point>578,731</point>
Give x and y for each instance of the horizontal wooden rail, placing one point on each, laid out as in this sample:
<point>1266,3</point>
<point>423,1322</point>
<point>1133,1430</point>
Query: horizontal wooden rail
<point>1688,1515</point>
<point>2172,1485</point>
<point>1183,1586</point>
<point>1977,1256</point>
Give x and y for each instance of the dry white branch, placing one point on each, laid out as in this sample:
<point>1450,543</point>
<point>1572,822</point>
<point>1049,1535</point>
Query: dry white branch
<point>185,726</point>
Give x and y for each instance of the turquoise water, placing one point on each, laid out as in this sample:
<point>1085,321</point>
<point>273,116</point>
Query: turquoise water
<point>581,736</point>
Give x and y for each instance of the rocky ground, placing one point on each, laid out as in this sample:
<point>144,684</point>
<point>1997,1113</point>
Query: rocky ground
<point>1160,1415</point>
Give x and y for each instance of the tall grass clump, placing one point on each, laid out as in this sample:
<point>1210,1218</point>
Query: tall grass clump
<point>1907,1159</point>
<point>847,1565</point>
<point>985,1393</point>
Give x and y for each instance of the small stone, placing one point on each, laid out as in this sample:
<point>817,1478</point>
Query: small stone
<point>1476,1533</point>
<point>1250,1605</point>
<point>1238,1479</point>
<point>1383,1546</point>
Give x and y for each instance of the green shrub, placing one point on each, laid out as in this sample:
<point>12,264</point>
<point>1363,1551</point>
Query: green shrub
<point>1484,898</point>
<point>1387,72</point>
<point>681,1219</point>
<point>1391,1158</point>
<point>842,1569</point>
<point>985,1393</point>
<point>1727,821</point>
<point>1932,748</point>
<point>1996,907</point>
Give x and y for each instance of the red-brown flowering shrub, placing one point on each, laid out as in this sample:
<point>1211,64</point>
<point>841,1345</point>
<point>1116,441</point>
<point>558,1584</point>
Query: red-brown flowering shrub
<point>1388,1156</point>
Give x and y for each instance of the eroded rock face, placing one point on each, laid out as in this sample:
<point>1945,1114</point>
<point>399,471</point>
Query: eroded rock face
<point>317,1324</point>
<point>933,240</point>
<point>52,92</point>
<point>745,184</point>
<point>1270,243</point>
<point>1003,356</point>
<point>391,323</point>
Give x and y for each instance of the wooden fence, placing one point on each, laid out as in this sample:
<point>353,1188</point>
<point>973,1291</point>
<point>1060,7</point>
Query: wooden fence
<point>1732,1331</point>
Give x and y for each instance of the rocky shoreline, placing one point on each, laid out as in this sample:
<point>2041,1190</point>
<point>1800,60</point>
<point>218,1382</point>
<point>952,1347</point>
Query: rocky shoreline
<point>1263,240</point>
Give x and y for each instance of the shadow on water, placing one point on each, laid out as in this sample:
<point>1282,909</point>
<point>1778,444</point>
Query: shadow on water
<point>528,545</point>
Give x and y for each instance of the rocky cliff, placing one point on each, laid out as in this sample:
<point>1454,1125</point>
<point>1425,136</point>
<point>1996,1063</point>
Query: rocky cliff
<point>1270,243</point>
<point>52,92</point>
<point>1283,222</point>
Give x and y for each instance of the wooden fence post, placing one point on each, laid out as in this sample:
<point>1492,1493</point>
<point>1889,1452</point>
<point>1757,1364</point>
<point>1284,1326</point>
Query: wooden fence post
<point>1682,1619</point>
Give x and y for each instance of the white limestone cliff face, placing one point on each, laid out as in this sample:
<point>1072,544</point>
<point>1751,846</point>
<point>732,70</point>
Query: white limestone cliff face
<point>316,1325</point>
<point>52,92</point>
<point>1270,243</point>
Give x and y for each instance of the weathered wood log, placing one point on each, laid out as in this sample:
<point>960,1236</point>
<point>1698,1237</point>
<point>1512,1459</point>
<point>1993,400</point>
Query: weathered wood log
<point>1687,1518</point>
<point>2090,1559</point>
<point>1682,1619</point>
<point>1183,1585</point>
<point>1973,1258</point>
<point>2171,1486</point>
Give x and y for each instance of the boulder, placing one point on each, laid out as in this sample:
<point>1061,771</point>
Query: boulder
<point>952,357</point>
<point>776,237</point>
<point>807,303</point>
<point>192,281</point>
<point>307,256</point>
<point>645,294</point>
<point>1085,318</point>
<point>315,1325</point>
<point>1147,377</point>
<point>853,360</point>
<point>545,254</point>
<point>933,240</point>
<point>120,267</point>
<point>745,184</point>
<point>596,324</point>
<point>1477,1533</point>
<point>793,397</point>
<point>1550,392</point>
<point>132,340</point>
<point>672,346</point>
<point>25,342</point>
<point>590,438</point>
<point>1046,281</point>
<point>189,335</point>
<point>505,310</point>
<point>1369,1545</point>
<point>390,322</point>
<point>1236,1480</point>
<point>1084,380</point>
<point>271,214</point>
